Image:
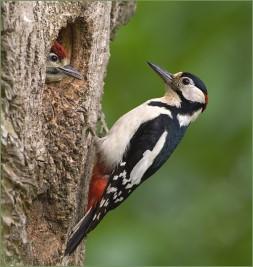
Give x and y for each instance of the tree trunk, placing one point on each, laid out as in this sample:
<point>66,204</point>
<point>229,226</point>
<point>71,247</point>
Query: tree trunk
<point>47,148</point>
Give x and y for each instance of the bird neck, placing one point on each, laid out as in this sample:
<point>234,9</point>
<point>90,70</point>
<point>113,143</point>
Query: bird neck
<point>172,98</point>
<point>183,111</point>
<point>53,75</point>
<point>179,104</point>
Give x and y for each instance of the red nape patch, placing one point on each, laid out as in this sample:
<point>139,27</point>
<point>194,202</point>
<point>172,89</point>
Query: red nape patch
<point>206,102</point>
<point>59,50</point>
<point>206,99</point>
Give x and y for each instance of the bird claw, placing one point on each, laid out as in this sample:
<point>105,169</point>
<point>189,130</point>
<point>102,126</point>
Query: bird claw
<point>103,129</point>
<point>91,129</point>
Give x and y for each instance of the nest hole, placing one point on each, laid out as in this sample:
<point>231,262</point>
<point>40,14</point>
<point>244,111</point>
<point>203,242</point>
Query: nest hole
<point>74,39</point>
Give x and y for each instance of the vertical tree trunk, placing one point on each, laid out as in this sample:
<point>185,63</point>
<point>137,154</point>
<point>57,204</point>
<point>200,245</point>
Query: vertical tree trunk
<point>47,151</point>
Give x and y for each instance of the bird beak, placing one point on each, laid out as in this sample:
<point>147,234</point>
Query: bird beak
<point>70,71</point>
<point>166,76</point>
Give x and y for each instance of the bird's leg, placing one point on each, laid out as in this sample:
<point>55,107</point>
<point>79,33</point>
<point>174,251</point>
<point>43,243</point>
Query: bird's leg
<point>103,129</point>
<point>90,127</point>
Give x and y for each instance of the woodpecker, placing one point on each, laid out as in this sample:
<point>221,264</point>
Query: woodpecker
<point>57,66</point>
<point>138,144</point>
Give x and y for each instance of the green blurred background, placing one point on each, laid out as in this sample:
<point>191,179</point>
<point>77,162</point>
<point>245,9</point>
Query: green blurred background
<point>197,209</point>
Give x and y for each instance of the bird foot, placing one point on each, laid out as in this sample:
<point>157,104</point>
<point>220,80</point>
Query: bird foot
<point>91,129</point>
<point>103,129</point>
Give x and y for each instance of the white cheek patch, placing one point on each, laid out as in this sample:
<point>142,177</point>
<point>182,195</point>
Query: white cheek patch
<point>194,94</point>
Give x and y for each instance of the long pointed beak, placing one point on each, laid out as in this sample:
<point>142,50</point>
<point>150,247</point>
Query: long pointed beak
<point>70,71</point>
<point>165,75</point>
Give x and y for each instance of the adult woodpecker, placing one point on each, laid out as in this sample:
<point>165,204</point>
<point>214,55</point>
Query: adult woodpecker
<point>138,144</point>
<point>57,66</point>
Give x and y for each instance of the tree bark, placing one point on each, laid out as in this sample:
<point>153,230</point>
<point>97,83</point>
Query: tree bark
<point>47,148</point>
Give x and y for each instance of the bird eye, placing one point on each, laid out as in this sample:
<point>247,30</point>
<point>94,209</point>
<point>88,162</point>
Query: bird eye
<point>53,57</point>
<point>186,81</point>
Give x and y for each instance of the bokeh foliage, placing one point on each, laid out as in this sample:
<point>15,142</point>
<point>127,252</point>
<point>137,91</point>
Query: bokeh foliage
<point>197,209</point>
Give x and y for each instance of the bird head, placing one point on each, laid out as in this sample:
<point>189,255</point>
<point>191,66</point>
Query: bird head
<point>57,66</point>
<point>188,86</point>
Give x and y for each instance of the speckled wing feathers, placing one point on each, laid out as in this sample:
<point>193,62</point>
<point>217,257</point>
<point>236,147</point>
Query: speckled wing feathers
<point>142,159</point>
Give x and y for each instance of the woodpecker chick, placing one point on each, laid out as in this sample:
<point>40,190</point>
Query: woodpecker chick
<point>138,144</point>
<point>57,66</point>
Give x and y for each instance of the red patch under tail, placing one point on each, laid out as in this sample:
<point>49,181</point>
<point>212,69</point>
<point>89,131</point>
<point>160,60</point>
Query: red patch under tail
<point>98,184</point>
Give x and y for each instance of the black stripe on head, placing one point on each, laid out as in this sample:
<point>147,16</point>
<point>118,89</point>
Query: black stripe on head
<point>200,84</point>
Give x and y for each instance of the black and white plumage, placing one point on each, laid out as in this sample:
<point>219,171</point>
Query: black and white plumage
<point>141,141</point>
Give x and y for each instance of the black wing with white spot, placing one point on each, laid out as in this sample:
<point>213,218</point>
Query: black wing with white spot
<point>149,148</point>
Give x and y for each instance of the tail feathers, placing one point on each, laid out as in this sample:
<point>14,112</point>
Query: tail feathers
<point>79,232</point>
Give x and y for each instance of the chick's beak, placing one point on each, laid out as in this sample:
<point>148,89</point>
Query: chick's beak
<point>166,76</point>
<point>70,71</point>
